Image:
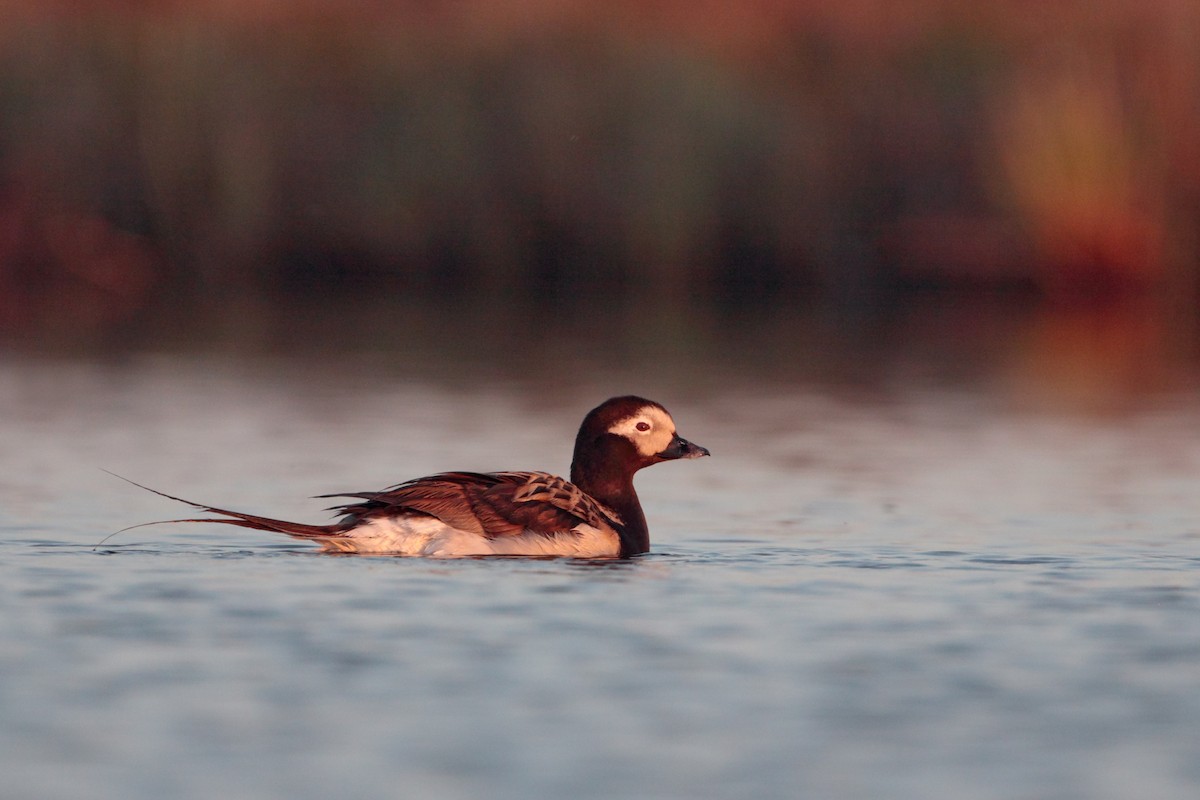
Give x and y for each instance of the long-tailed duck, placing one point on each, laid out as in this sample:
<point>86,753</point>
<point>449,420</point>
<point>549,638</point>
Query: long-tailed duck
<point>595,514</point>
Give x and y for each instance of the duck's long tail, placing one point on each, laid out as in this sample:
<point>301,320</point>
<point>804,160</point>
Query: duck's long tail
<point>299,530</point>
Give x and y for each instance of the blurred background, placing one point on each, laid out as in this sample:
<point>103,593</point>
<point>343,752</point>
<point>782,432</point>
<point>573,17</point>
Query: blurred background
<point>982,180</point>
<point>923,274</point>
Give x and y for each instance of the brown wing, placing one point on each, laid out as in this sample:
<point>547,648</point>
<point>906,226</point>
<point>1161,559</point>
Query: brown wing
<point>490,504</point>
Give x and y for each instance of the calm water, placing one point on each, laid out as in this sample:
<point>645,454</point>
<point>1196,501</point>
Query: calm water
<point>918,591</point>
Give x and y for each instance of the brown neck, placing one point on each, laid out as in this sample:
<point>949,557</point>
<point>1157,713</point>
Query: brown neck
<point>610,482</point>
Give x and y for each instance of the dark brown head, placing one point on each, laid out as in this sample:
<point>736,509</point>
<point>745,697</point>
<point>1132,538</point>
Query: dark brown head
<point>616,439</point>
<point>623,435</point>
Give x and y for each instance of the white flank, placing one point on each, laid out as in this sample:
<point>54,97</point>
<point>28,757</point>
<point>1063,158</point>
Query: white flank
<point>426,536</point>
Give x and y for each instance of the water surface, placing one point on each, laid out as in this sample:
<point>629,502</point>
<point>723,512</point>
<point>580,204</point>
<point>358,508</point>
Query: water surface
<point>921,590</point>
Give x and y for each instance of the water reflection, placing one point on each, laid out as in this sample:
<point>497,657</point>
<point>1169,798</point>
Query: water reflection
<point>946,549</point>
<point>1091,358</point>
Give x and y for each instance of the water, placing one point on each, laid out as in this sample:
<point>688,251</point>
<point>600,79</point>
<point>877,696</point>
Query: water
<point>911,591</point>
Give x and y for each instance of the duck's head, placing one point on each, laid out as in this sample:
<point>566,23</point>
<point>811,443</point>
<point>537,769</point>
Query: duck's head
<point>625,434</point>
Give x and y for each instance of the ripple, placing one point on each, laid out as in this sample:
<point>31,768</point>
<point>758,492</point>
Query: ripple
<point>911,611</point>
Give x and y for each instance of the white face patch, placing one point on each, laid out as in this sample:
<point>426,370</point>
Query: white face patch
<point>650,429</point>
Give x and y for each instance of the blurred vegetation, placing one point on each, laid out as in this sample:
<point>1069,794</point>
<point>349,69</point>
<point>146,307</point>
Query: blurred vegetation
<point>663,152</point>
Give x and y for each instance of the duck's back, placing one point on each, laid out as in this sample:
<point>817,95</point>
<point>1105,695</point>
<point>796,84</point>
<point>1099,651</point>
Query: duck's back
<point>473,513</point>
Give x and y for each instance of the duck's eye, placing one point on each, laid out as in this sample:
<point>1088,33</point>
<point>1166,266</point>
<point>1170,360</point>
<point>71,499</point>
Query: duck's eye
<point>643,426</point>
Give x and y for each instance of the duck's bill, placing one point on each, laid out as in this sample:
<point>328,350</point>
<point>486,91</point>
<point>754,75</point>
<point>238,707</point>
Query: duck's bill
<point>682,448</point>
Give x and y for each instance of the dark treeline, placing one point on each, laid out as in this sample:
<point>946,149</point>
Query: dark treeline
<point>585,149</point>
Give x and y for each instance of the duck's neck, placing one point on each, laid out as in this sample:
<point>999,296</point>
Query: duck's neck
<point>616,491</point>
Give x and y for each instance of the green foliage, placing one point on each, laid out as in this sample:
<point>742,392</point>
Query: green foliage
<point>598,151</point>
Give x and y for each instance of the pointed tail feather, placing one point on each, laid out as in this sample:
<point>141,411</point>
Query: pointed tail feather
<point>299,530</point>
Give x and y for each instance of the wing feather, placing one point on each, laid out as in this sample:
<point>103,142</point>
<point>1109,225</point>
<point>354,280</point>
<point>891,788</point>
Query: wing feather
<point>491,504</point>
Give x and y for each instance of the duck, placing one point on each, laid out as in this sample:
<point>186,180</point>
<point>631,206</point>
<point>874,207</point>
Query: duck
<point>595,514</point>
